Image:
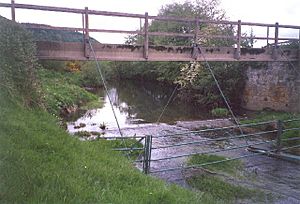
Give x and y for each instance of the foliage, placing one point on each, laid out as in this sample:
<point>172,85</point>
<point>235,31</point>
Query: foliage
<point>61,92</point>
<point>18,63</point>
<point>199,84</point>
<point>219,112</point>
<point>196,82</point>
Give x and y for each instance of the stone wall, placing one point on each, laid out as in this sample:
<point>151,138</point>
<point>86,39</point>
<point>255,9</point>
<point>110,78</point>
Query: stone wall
<point>272,85</point>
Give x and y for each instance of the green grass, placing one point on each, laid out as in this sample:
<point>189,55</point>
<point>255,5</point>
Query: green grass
<point>41,163</point>
<point>216,186</point>
<point>230,167</point>
<point>221,190</point>
<point>61,90</point>
<point>219,112</point>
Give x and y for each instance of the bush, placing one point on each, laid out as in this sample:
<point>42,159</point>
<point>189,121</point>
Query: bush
<point>219,112</point>
<point>18,63</point>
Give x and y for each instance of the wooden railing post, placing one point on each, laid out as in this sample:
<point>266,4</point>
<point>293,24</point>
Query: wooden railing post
<point>299,50</point>
<point>146,37</point>
<point>268,33</point>
<point>13,13</point>
<point>279,133</point>
<point>196,38</point>
<point>275,49</point>
<point>86,33</point>
<point>238,40</point>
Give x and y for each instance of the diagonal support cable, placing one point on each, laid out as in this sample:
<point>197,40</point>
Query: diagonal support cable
<point>222,94</point>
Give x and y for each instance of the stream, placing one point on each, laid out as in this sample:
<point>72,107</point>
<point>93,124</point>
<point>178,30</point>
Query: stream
<point>138,106</point>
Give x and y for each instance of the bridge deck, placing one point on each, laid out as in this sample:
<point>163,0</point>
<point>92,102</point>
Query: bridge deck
<point>115,52</point>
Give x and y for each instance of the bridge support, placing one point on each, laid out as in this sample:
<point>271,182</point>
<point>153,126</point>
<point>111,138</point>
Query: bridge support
<point>146,37</point>
<point>13,13</point>
<point>239,39</point>
<point>86,34</point>
<point>275,49</point>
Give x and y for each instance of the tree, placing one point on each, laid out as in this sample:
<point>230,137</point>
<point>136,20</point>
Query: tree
<point>196,82</point>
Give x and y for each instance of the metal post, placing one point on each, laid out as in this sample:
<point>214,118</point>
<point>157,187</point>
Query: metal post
<point>279,133</point>
<point>146,37</point>
<point>239,38</point>
<point>275,49</point>
<point>147,154</point>
<point>86,34</point>
<point>13,13</point>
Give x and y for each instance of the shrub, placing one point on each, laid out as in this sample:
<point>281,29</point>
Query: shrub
<point>219,112</point>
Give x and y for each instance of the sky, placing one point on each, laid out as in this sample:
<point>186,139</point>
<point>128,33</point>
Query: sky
<point>262,11</point>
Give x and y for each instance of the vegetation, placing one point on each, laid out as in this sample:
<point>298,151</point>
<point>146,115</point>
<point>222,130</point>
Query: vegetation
<point>230,167</point>
<point>60,92</point>
<point>46,33</point>
<point>41,163</point>
<point>196,82</point>
<point>216,186</point>
<point>219,112</point>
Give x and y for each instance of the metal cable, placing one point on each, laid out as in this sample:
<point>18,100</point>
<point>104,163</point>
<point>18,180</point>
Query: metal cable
<point>169,100</point>
<point>105,87</point>
<point>222,94</point>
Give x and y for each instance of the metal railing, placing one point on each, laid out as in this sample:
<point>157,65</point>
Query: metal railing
<point>278,144</point>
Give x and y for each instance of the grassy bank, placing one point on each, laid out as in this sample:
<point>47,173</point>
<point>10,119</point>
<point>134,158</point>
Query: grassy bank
<point>42,163</point>
<point>62,90</point>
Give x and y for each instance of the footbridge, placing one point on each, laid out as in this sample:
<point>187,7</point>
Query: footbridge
<point>146,50</point>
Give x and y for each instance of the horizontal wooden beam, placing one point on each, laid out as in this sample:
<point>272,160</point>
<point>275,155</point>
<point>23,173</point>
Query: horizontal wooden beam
<point>115,52</point>
<point>130,15</point>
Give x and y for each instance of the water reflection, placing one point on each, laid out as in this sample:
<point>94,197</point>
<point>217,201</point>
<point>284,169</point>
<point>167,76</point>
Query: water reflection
<point>136,103</point>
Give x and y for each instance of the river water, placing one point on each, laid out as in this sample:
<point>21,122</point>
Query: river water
<point>138,106</point>
<point>137,103</point>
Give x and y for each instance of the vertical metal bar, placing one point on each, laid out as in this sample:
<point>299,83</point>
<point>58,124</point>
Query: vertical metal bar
<point>239,38</point>
<point>268,33</point>
<point>13,13</point>
<point>150,152</point>
<point>275,50</point>
<point>279,133</point>
<point>146,152</point>
<point>146,37</point>
<point>86,36</point>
